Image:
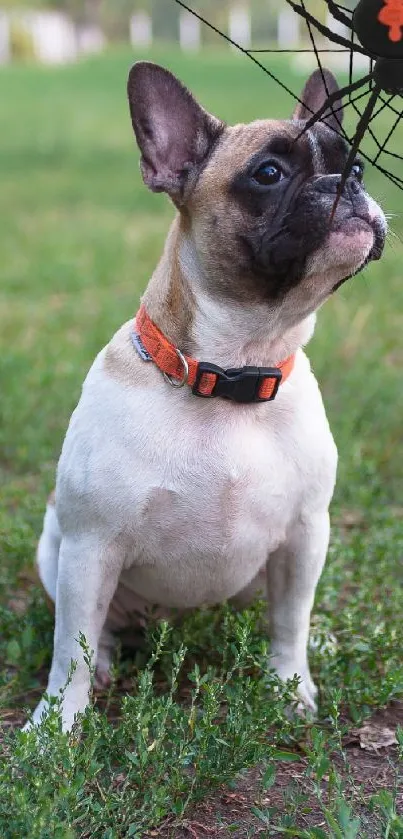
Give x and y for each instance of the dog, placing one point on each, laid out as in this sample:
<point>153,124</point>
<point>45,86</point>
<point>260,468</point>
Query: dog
<point>198,466</point>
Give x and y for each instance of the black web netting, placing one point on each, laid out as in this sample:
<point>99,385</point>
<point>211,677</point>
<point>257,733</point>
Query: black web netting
<point>372,95</point>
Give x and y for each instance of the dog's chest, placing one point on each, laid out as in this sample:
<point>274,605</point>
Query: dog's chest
<point>209,515</point>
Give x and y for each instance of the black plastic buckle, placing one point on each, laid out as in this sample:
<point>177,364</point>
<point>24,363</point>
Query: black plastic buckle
<point>241,384</point>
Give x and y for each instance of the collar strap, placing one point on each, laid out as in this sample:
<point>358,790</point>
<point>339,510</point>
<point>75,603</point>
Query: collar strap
<point>241,384</point>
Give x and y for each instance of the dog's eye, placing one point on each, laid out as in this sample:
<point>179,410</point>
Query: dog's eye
<point>269,173</point>
<point>358,170</point>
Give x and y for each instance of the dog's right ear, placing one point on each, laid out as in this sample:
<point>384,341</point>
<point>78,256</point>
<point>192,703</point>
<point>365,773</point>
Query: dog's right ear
<point>320,84</point>
<point>174,133</point>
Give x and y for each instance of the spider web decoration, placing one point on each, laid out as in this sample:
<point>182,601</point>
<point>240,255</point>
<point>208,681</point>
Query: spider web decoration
<point>375,30</point>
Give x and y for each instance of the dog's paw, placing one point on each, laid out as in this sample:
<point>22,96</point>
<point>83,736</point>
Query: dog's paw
<point>307,693</point>
<point>106,649</point>
<point>62,704</point>
<point>41,714</point>
<point>103,679</point>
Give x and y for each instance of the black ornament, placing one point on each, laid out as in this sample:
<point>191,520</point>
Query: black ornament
<point>378,25</point>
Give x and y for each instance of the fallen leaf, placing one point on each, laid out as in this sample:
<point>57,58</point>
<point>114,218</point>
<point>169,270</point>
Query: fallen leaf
<point>373,736</point>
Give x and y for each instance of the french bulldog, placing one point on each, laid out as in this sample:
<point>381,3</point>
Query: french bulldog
<point>198,466</point>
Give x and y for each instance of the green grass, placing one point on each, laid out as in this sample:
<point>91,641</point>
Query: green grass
<point>79,238</point>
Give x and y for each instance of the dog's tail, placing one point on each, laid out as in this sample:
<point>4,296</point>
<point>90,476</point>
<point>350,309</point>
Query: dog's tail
<point>47,555</point>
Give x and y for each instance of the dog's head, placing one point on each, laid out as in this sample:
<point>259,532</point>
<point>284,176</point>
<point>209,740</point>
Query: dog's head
<point>256,199</point>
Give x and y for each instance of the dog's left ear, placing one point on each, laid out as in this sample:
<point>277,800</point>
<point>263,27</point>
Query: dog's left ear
<point>174,133</point>
<point>314,96</point>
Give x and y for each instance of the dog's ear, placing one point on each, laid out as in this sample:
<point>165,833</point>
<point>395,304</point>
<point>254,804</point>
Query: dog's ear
<point>174,133</point>
<point>314,95</point>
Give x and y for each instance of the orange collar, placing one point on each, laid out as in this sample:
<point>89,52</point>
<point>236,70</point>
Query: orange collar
<point>242,384</point>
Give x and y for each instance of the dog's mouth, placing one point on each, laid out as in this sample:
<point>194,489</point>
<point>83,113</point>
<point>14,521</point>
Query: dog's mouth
<point>358,226</point>
<point>379,231</point>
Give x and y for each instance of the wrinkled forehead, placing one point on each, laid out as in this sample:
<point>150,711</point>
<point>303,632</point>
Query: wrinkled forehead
<point>319,150</point>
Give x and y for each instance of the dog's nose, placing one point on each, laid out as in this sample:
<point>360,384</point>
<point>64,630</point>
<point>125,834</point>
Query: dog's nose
<point>330,185</point>
<point>352,187</point>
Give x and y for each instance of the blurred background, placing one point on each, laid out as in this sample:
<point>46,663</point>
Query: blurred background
<point>80,235</point>
<point>56,31</point>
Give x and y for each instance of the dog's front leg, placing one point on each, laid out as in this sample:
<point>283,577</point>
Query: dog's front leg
<point>292,575</point>
<point>88,575</point>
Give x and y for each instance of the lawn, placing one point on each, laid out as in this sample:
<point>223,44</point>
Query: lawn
<point>193,739</point>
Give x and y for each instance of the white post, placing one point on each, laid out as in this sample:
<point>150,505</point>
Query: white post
<point>342,61</point>
<point>141,32</point>
<point>90,40</point>
<point>189,31</point>
<point>53,35</point>
<point>287,29</point>
<point>338,28</point>
<point>5,51</point>
<point>240,29</point>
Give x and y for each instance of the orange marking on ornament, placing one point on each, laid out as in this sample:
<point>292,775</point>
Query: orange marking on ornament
<point>392,16</point>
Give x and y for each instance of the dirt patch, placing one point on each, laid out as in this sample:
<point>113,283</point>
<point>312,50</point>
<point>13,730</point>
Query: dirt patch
<point>367,767</point>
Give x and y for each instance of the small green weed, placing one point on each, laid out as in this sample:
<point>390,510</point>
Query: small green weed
<point>126,777</point>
